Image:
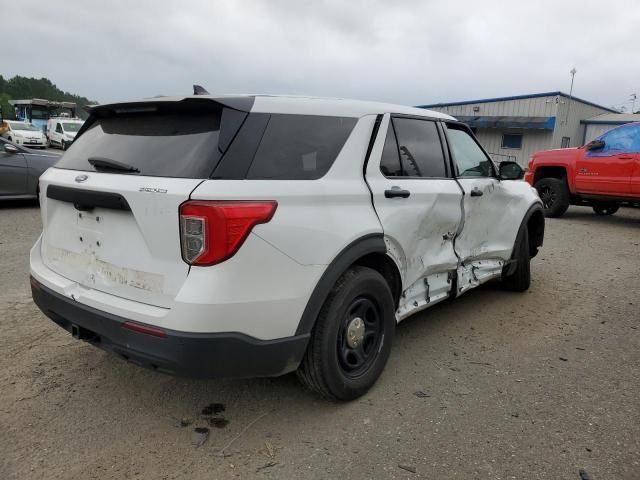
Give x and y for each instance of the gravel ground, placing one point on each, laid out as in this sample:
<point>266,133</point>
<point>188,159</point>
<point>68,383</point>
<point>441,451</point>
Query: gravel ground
<point>534,385</point>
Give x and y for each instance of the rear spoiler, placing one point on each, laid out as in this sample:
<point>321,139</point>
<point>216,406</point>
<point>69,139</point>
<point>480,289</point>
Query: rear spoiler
<point>241,103</point>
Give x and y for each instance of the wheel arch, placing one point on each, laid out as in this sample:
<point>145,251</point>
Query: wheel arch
<point>533,223</point>
<point>368,251</point>
<point>559,172</point>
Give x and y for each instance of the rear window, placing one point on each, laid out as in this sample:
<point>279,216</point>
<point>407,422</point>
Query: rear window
<point>192,144</point>
<point>299,147</point>
<point>172,144</point>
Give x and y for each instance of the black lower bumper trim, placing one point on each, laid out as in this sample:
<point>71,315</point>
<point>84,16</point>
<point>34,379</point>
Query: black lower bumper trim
<point>204,355</point>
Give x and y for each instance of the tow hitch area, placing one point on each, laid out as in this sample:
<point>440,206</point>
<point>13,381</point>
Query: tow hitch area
<point>81,333</point>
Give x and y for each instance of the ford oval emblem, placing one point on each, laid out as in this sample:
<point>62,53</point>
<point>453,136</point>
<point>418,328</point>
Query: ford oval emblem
<point>81,178</point>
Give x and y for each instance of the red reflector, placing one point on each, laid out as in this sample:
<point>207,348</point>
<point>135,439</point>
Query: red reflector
<point>213,231</point>
<point>146,329</point>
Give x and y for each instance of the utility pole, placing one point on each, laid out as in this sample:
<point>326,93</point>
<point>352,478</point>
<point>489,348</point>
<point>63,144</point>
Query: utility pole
<point>633,102</point>
<point>573,74</point>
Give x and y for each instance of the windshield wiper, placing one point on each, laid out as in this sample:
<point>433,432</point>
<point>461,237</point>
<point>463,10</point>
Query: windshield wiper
<point>102,163</point>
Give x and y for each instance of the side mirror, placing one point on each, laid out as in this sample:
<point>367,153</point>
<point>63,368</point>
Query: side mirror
<point>9,148</point>
<point>510,171</point>
<point>595,145</point>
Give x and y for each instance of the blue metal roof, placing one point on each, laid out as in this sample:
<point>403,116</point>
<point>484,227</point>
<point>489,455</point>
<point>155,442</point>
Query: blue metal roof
<point>516,97</point>
<point>544,123</point>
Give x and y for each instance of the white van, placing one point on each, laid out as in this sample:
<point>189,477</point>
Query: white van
<point>61,131</point>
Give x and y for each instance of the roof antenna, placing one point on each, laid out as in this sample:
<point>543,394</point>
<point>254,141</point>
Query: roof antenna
<point>198,90</point>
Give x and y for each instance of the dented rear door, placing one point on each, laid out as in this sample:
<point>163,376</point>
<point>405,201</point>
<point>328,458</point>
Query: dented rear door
<point>419,206</point>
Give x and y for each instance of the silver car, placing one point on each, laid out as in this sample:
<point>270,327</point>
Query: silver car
<point>20,169</point>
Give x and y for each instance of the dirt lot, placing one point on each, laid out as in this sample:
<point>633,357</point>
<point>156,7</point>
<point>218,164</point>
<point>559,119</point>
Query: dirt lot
<point>535,385</point>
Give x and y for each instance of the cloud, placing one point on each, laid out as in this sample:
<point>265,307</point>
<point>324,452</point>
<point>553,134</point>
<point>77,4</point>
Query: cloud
<point>408,52</point>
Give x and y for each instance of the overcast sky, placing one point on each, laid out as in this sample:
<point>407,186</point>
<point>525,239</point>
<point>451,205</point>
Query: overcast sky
<point>409,52</point>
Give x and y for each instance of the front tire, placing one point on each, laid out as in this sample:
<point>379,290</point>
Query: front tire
<point>351,340</point>
<point>554,195</point>
<point>63,145</point>
<point>606,209</point>
<point>520,279</point>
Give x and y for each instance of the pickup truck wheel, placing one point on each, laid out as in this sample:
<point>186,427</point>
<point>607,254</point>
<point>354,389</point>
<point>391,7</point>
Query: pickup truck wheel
<point>554,195</point>
<point>352,337</point>
<point>63,145</point>
<point>605,209</point>
<point>520,280</point>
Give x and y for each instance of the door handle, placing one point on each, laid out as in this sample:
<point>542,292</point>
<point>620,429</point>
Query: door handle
<point>394,192</point>
<point>625,157</point>
<point>476,192</point>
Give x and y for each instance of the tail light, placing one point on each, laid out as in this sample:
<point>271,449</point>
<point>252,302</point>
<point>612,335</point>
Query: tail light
<point>213,231</point>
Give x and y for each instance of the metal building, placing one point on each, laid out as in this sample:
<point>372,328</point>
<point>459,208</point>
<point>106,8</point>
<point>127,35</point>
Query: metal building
<point>596,126</point>
<point>512,128</point>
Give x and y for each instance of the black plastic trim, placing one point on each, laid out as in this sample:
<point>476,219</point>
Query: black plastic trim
<point>512,264</point>
<point>88,199</point>
<point>235,164</point>
<point>200,355</point>
<point>372,243</point>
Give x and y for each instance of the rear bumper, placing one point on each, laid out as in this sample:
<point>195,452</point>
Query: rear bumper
<point>205,355</point>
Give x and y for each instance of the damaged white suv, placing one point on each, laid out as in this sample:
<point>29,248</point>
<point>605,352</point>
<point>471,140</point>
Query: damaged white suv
<point>245,236</point>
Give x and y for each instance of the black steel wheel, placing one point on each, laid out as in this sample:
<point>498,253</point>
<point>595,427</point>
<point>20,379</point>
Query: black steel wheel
<point>351,340</point>
<point>359,337</point>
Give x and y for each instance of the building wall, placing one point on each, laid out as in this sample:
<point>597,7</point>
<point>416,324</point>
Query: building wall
<point>532,141</point>
<point>572,128</point>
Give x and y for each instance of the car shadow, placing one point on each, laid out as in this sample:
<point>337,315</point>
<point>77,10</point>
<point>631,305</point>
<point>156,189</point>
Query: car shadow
<point>283,393</point>
<point>625,217</point>
<point>21,203</point>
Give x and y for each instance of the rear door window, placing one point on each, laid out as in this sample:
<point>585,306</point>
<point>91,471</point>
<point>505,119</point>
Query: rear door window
<point>299,147</point>
<point>419,148</point>
<point>179,144</point>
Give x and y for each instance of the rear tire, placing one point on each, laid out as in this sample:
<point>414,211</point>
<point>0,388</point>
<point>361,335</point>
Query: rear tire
<point>606,209</point>
<point>351,340</point>
<point>520,279</point>
<point>554,195</point>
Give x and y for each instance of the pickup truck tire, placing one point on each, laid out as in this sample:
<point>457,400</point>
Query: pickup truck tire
<point>520,279</point>
<point>554,195</point>
<point>351,340</point>
<point>606,209</point>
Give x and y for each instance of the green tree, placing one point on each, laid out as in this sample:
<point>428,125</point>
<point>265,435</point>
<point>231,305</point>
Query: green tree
<point>7,109</point>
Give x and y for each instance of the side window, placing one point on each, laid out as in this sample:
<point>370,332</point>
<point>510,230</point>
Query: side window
<point>619,140</point>
<point>299,147</point>
<point>467,154</point>
<point>390,161</point>
<point>420,149</point>
<point>59,128</point>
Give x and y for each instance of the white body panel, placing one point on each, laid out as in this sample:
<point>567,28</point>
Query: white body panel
<point>134,255</point>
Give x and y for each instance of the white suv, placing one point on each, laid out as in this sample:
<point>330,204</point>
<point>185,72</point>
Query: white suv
<point>245,236</point>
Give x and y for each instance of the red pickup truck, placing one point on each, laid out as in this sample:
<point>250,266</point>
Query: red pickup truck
<point>603,174</point>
